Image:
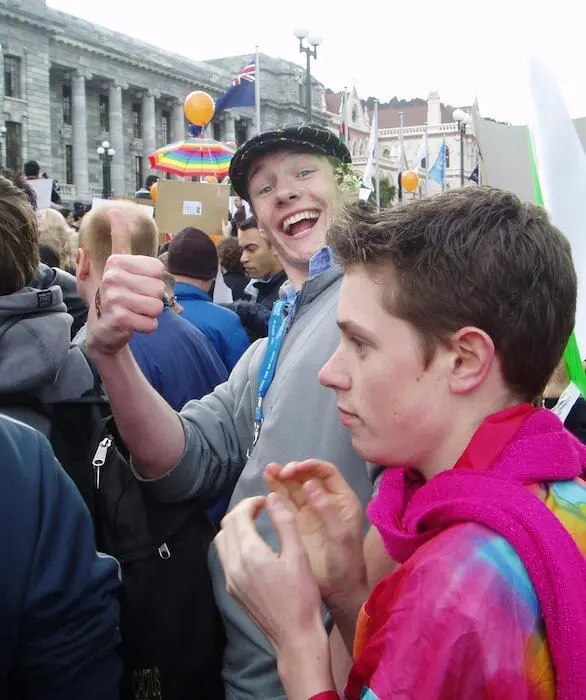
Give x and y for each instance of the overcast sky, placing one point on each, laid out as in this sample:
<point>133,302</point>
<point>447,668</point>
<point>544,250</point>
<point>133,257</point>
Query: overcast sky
<point>462,49</point>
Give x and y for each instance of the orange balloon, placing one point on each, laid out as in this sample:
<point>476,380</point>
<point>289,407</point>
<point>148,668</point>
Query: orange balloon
<point>153,191</point>
<point>410,181</point>
<point>199,108</point>
<point>211,180</point>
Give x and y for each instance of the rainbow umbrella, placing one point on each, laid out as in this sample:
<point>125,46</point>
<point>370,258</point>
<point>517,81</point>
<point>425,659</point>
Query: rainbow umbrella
<point>194,158</point>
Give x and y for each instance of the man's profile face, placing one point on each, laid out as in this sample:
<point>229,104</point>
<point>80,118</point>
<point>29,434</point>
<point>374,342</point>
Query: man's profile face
<point>258,257</point>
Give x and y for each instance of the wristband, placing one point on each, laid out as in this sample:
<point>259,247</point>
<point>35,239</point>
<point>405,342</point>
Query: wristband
<point>326,695</point>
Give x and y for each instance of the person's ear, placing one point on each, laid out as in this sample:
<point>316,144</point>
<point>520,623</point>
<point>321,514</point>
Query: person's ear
<point>82,264</point>
<point>473,356</point>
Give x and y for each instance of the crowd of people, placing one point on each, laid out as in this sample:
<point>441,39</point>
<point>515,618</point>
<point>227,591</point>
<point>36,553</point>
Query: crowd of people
<point>398,512</point>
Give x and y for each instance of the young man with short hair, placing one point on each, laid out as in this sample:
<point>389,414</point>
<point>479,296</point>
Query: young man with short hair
<point>178,360</point>
<point>454,312</point>
<point>291,178</point>
<point>262,264</point>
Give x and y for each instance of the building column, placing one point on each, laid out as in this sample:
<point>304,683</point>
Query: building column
<point>149,127</point>
<point>229,127</point>
<point>117,138</point>
<point>178,120</point>
<point>79,132</point>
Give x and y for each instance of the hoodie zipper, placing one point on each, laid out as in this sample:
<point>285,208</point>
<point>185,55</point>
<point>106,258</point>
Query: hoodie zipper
<point>100,459</point>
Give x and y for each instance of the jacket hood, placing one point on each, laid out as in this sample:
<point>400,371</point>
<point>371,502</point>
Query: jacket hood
<point>35,351</point>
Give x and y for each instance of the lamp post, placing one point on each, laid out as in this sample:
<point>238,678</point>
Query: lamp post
<point>310,52</point>
<point>2,135</point>
<point>463,118</point>
<point>106,154</point>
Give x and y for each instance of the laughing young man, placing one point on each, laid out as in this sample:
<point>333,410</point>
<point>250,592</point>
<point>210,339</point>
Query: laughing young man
<point>272,408</point>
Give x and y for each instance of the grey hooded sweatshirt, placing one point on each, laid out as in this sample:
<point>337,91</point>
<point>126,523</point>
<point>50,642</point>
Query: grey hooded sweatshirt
<point>36,356</point>
<point>301,421</point>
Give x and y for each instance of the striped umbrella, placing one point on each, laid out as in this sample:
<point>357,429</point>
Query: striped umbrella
<point>194,158</point>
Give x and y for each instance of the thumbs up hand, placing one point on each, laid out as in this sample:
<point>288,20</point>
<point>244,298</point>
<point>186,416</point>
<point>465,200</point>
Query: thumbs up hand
<point>130,296</point>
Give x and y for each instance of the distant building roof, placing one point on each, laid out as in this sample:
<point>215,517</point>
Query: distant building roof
<point>414,111</point>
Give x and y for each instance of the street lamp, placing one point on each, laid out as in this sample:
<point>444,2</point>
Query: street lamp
<point>310,52</point>
<point>463,118</point>
<point>106,154</point>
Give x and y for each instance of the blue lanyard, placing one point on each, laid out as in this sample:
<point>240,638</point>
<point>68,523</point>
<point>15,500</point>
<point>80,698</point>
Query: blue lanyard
<point>279,323</point>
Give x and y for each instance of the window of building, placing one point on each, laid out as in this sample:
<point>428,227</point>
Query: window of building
<point>447,157</point>
<point>69,164</point>
<point>136,120</point>
<point>13,141</point>
<point>241,128</point>
<point>386,153</point>
<point>165,122</point>
<point>138,172</point>
<point>302,94</point>
<point>217,130</point>
<point>66,103</point>
<point>12,66</point>
<point>104,110</point>
<point>354,114</point>
<point>424,162</point>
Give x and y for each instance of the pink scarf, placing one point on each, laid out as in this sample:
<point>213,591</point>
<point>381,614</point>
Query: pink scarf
<point>510,450</point>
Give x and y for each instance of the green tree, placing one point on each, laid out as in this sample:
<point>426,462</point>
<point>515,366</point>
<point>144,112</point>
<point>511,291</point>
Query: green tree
<point>388,193</point>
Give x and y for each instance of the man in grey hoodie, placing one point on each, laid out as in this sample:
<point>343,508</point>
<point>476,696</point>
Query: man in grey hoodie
<point>35,329</point>
<point>272,408</point>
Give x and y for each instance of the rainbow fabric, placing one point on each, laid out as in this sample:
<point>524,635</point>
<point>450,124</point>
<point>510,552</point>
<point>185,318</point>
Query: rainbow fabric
<point>460,619</point>
<point>194,158</point>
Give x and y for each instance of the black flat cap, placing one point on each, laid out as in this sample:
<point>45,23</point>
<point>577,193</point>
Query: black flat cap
<point>306,137</point>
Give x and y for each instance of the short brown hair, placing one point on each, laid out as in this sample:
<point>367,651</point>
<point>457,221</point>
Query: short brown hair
<point>95,232</point>
<point>229,253</point>
<point>19,239</point>
<point>472,257</point>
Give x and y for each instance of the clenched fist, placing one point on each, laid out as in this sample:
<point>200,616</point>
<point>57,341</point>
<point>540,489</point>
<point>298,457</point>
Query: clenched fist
<point>130,296</point>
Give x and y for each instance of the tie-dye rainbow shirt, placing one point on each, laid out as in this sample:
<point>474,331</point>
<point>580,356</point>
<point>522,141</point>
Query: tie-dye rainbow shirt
<point>460,619</point>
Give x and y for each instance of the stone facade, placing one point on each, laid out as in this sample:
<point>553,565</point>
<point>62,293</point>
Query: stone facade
<point>81,84</point>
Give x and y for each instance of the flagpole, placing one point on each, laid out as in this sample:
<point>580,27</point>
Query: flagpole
<point>426,159</point>
<point>257,91</point>
<point>376,156</point>
<point>345,116</point>
<point>400,188</point>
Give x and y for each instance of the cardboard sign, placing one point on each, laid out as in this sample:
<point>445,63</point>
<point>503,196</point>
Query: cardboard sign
<point>198,204</point>
<point>42,188</point>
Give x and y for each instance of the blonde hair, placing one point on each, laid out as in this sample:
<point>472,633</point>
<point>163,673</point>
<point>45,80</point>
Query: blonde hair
<point>54,232</point>
<point>95,233</point>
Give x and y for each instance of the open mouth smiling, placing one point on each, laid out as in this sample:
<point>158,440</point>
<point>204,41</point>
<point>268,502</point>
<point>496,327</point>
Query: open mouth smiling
<point>300,222</point>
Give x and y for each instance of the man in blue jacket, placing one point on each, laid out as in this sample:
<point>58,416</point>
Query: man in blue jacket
<point>193,261</point>
<point>58,598</point>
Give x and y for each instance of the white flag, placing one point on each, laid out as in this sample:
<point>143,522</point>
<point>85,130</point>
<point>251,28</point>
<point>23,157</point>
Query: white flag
<point>370,163</point>
<point>561,166</point>
<point>421,152</point>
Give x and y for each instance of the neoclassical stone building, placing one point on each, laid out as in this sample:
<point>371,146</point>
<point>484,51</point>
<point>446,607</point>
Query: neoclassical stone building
<point>66,85</point>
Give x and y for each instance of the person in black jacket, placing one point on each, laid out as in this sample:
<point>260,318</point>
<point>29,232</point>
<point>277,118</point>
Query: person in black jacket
<point>58,597</point>
<point>262,264</point>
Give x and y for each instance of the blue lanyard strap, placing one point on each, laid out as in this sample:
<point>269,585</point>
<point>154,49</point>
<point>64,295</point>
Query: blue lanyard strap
<point>279,323</point>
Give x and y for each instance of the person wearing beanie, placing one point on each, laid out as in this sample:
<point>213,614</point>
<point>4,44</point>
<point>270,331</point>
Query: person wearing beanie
<point>272,409</point>
<point>193,261</point>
